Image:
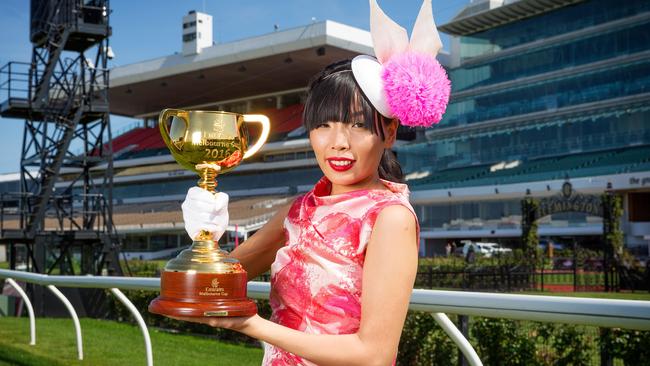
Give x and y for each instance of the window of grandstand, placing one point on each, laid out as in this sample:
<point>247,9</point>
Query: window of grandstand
<point>517,99</point>
<point>235,107</point>
<point>160,242</point>
<point>570,19</point>
<point>588,133</point>
<point>579,52</point>
<point>638,207</point>
<point>293,98</point>
<point>492,215</point>
<point>136,243</point>
<point>10,186</point>
<point>294,155</point>
<point>260,104</point>
<point>227,182</point>
<point>155,242</point>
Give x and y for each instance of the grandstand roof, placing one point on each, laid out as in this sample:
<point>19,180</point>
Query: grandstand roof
<point>486,14</point>
<point>252,67</point>
<point>270,63</point>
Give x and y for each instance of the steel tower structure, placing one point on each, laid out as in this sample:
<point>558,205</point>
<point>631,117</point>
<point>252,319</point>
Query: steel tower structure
<point>61,220</point>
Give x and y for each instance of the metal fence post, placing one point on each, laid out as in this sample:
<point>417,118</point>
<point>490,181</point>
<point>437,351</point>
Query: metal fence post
<point>606,358</point>
<point>75,319</point>
<point>143,326</point>
<point>463,324</point>
<point>30,310</point>
<point>458,338</point>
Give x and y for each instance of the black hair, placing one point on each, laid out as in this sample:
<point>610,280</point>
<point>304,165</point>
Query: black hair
<point>334,95</point>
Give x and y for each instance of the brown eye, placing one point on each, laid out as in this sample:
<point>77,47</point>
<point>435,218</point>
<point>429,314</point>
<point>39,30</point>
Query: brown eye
<point>359,125</point>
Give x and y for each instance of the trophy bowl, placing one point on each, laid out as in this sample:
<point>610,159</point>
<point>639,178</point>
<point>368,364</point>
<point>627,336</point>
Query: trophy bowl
<point>202,281</point>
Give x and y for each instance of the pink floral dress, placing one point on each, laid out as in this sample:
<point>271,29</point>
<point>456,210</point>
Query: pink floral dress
<point>316,277</point>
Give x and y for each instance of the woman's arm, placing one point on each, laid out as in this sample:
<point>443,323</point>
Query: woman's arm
<point>388,275</point>
<point>258,252</point>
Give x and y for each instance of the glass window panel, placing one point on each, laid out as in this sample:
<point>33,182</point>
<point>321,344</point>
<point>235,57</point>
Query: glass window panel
<point>533,61</point>
<point>135,243</point>
<point>269,179</point>
<point>564,20</point>
<point>599,131</point>
<point>550,94</point>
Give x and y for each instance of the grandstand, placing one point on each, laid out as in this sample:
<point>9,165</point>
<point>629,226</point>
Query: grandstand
<point>553,92</point>
<point>149,185</point>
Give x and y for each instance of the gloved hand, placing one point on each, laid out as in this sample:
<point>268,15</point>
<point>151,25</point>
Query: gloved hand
<point>203,210</point>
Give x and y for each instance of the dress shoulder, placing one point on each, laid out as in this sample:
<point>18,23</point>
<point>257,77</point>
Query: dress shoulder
<point>373,212</point>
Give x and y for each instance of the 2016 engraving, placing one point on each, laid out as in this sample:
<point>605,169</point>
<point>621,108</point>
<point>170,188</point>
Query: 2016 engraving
<point>216,154</point>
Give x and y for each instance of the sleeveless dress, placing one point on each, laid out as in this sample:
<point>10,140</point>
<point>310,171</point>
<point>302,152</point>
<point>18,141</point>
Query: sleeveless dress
<point>316,277</point>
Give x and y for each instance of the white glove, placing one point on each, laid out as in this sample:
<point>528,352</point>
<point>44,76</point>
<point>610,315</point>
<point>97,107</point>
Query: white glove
<point>203,210</point>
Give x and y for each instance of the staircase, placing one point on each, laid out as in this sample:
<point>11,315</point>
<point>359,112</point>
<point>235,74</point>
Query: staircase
<point>64,133</point>
<point>59,99</point>
<point>58,37</point>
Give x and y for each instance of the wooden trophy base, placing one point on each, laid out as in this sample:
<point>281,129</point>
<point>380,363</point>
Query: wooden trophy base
<point>225,308</point>
<point>202,295</point>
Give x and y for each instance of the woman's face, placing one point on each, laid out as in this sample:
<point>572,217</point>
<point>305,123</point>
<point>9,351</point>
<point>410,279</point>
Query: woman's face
<point>349,154</point>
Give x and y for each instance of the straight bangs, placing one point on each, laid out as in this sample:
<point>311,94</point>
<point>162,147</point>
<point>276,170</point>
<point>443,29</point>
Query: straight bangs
<point>337,98</point>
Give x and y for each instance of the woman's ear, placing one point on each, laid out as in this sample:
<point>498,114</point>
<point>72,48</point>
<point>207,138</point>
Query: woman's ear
<point>391,133</point>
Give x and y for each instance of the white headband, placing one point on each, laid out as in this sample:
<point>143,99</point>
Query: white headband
<point>405,81</point>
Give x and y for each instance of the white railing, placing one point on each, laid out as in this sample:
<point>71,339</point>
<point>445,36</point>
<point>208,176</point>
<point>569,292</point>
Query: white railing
<point>631,314</point>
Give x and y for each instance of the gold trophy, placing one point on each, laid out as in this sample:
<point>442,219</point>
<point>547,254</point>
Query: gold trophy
<point>202,280</point>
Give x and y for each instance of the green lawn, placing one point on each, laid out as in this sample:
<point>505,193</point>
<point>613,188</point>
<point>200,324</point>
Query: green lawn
<point>4,265</point>
<point>111,343</point>
<point>588,278</point>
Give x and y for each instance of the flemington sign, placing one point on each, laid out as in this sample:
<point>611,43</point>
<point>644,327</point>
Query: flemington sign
<point>570,201</point>
<point>606,206</point>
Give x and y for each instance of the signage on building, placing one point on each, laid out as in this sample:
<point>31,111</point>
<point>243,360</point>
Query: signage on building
<point>570,201</point>
<point>635,181</point>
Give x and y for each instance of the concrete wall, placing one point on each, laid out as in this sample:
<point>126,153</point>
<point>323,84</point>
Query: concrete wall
<point>3,253</point>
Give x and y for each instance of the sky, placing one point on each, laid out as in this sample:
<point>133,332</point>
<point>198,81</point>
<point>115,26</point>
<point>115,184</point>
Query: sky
<point>147,29</point>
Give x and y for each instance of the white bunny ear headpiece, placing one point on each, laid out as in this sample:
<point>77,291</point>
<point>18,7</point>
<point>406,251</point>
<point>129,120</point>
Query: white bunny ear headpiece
<point>405,81</point>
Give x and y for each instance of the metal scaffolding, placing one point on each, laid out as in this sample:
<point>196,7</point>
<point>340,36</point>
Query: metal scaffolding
<point>61,220</point>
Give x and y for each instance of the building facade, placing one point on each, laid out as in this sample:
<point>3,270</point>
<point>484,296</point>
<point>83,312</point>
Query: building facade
<point>543,93</point>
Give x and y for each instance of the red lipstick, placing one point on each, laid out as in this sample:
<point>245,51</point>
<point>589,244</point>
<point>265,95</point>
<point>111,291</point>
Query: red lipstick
<point>340,164</point>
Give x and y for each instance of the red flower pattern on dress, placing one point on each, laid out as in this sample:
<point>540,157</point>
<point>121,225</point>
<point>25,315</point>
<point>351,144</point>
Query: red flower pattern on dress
<point>316,277</point>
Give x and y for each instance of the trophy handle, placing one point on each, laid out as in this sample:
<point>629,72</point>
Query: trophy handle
<point>164,129</point>
<point>266,127</point>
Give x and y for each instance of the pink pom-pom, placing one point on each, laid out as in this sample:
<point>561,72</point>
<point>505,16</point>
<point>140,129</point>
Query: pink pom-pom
<point>417,88</point>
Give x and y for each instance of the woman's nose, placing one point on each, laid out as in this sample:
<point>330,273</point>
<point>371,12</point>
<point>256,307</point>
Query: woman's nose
<point>340,138</point>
